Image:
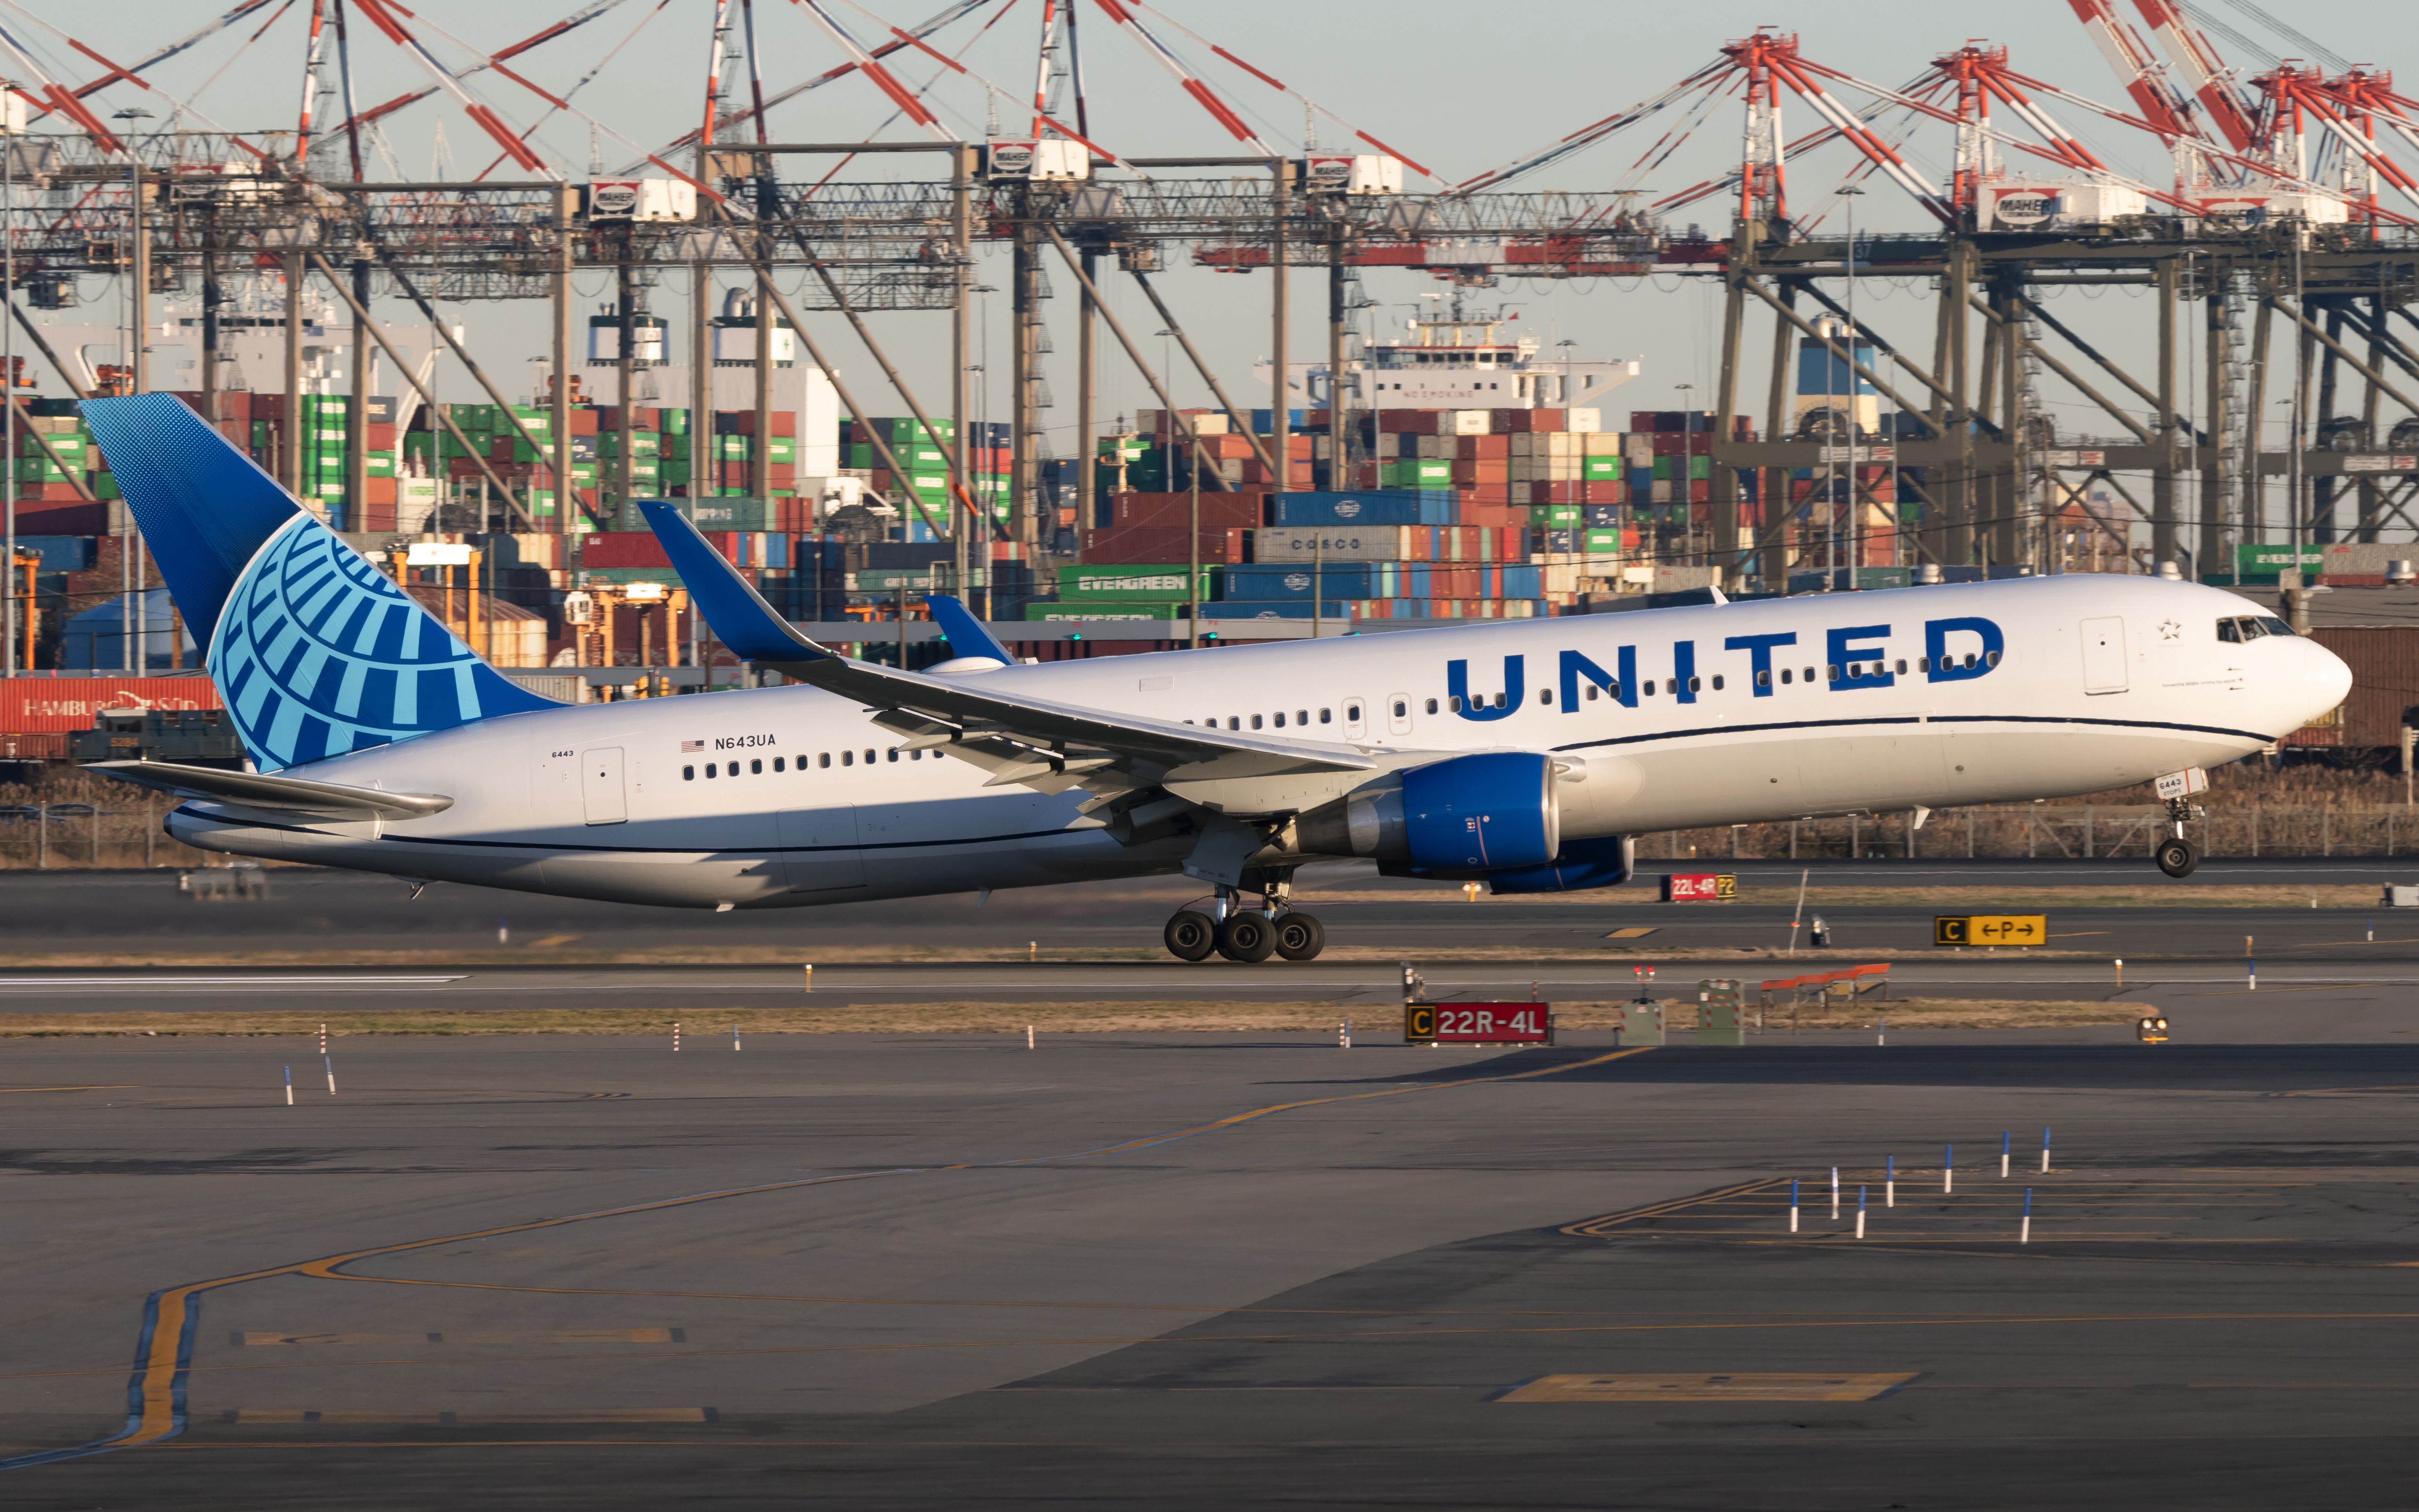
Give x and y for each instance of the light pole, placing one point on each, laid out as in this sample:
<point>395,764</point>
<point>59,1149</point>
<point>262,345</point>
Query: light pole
<point>987,506</point>
<point>1852,193</point>
<point>1687,489</point>
<point>9,364</point>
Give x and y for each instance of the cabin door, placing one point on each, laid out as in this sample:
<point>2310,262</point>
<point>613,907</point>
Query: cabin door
<point>600,786</point>
<point>2104,655</point>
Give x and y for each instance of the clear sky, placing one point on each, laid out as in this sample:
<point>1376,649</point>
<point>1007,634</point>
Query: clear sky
<point>1459,87</point>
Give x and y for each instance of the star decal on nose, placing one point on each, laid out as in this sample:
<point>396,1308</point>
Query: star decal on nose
<point>2169,630</point>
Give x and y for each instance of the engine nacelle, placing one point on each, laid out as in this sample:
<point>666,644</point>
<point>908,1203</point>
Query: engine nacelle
<point>1604,862</point>
<point>1468,814</point>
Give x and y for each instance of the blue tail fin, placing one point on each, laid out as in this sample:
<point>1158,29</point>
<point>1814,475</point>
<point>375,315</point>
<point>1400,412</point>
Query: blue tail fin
<point>315,652</point>
<point>965,634</point>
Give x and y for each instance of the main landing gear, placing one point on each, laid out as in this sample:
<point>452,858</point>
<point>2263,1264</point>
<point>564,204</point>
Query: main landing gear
<point>2177,855</point>
<point>1244,934</point>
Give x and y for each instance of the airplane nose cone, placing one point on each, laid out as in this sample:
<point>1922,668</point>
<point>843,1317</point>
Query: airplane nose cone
<point>2324,682</point>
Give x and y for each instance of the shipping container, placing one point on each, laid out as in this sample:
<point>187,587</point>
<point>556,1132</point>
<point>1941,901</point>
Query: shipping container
<point>1377,507</point>
<point>38,704</point>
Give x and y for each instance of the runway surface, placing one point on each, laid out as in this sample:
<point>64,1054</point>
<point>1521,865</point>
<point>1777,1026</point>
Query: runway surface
<point>117,916</point>
<point>1208,1272</point>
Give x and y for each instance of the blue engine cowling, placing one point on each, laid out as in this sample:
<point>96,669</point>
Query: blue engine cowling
<point>1603,862</point>
<point>1465,816</point>
<point>1487,811</point>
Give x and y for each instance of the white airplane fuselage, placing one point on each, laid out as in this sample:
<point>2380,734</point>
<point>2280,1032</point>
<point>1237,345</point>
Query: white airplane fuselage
<point>2075,684</point>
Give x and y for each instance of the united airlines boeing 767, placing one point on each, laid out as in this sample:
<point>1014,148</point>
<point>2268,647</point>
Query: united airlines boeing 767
<point>1519,753</point>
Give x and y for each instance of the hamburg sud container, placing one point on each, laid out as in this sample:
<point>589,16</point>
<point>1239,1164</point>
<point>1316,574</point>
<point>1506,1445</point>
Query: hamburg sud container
<point>43,705</point>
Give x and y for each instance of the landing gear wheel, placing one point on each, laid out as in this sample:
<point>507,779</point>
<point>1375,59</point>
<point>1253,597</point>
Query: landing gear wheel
<point>1300,937</point>
<point>1190,935</point>
<point>1247,938</point>
<point>2178,857</point>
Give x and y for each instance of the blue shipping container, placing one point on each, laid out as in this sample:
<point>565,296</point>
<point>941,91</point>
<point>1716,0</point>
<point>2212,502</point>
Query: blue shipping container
<point>1387,506</point>
<point>1340,579</point>
<point>1273,608</point>
<point>59,553</point>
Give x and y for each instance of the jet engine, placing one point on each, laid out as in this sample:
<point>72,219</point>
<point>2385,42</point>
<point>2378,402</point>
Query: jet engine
<point>1477,814</point>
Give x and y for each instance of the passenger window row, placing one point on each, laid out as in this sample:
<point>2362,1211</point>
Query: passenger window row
<point>1300,719</point>
<point>822,759</point>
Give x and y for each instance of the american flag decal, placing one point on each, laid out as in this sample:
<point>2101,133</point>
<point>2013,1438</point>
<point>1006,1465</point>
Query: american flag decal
<point>692,744</point>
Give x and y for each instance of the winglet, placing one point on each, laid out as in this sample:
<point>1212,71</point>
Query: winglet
<point>753,629</point>
<point>964,633</point>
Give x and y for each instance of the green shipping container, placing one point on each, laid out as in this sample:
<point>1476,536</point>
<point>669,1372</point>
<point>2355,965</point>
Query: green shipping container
<point>1600,469</point>
<point>1149,582</point>
<point>642,443</point>
<point>104,486</point>
<point>1554,516</point>
<point>1106,610</point>
<point>2262,564</point>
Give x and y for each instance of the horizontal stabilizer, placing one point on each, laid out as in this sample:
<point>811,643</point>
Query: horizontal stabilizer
<point>280,794</point>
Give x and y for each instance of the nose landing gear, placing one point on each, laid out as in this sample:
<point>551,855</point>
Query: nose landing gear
<point>1246,935</point>
<point>2177,855</point>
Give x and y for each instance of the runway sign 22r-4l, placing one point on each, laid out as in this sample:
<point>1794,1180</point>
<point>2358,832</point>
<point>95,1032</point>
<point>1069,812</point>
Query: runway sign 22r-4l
<point>1990,929</point>
<point>1477,1023</point>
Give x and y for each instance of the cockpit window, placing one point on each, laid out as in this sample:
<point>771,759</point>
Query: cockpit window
<point>2251,627</point>
<point>2274,625</point>
<point>2229,631</point>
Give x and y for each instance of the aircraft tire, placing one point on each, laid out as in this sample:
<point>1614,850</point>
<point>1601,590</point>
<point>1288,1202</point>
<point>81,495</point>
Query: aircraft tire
<point>2177,855</point>
<point>1300,937</point>
<point>1190,935</point>
<point>1246,937</point>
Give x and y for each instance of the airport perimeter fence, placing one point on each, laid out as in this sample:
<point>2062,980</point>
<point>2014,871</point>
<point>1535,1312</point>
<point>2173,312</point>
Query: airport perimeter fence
<point>87,823</point>
<point>2051,832</point>
<point>95,825</point>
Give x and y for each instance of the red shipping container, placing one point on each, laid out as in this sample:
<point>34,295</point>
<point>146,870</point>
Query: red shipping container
<point>1605,493</point>
<point>33,747</point>
<point>1408,421</point>
<point>1158,545</point>
<point>1531,420</point>
<point>1482,475</point>
<point>377,517</point>
<point>1496,493</point>
<point>1298,475</point>
<point>1454,582</point>
<point>380,491</point>
<point>1173,511</point>
<point>380,436</point>
<point>643,417</point>
<point>238,431</point>
<point>743,421</point>
<point>61,520</point>
<point>37,704</point>
<point>1482,448</point>
<point>272,407</point>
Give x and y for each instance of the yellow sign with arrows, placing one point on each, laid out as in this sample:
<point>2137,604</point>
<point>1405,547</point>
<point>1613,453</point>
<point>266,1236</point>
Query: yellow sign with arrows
<point>1990,930</point>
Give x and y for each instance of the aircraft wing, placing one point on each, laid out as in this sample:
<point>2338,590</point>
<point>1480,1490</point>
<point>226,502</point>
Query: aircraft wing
<point>1038,742</point>
<point>274,793</point>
